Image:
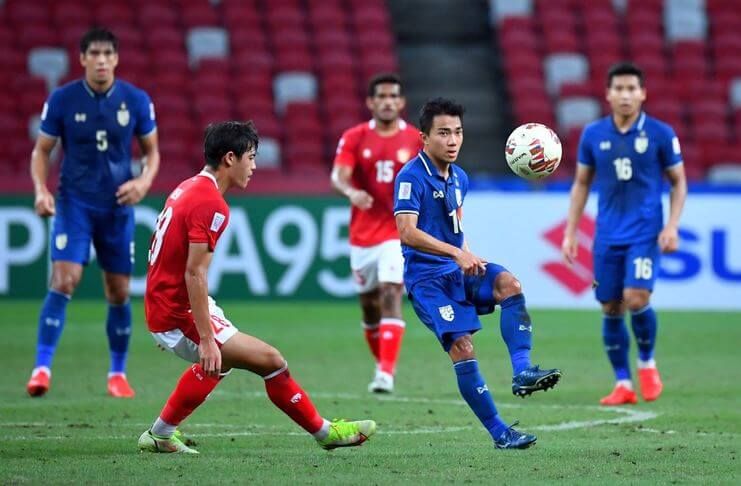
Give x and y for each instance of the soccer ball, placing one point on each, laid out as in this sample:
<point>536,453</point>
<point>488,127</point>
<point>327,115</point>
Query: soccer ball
<point>533,151</point>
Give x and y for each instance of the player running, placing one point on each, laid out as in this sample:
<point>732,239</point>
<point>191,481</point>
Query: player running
<point>95,118</point>
<point>629,153</point>
<point>185,320</point>
<point>369,156</point>
<point>448,285</point>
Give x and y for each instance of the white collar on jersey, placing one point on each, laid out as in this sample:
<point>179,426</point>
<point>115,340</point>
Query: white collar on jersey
<point>206,173</point>
<point>372,124</point>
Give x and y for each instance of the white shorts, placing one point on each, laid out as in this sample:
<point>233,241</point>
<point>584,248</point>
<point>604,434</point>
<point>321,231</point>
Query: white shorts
<point>182,345</point>
<point>372,265</point>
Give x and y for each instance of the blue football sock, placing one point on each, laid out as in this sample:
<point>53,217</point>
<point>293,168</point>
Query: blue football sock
<point>51,323</point>
<point>617,345</point>
<point>474,390</point>
<point>644,326</point>
<point>517,331</point>
<point>118,327</point>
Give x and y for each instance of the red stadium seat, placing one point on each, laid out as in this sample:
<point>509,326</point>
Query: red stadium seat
<point>114,13</point>
<point>71,13</point>
<point>165,38</point>
<point>327,16</point>
<point>153,16</point>
<point>328,40</point>
<point>561,41</point>
<point>28,14</point>
<point>38,35</point>
<point>199,15</point>
<point>294,60</point>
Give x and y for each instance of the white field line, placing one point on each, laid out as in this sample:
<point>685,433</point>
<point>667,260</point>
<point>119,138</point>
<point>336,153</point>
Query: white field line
<point>627,415</point>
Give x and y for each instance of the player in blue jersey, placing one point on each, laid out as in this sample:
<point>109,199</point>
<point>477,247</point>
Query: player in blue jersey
<point>627,154</point>
<point>95,118</point>
<point>448,285</point>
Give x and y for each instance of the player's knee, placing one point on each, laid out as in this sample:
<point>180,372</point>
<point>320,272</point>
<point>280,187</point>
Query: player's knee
<point>613,308</point>
<point>462,349</point>
<point>506,285</point>
<point>65,282</point>
<point>390,298</point>
<point>117,296</point>
<point>273,360</point>
<point>636,299</point>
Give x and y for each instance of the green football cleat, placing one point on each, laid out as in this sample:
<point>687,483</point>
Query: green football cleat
<point>149,442</point>
<point>348,434</point>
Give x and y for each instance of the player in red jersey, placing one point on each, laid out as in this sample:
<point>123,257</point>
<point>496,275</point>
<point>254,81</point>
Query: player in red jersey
<point>185,320</point>
<point>369,156</point>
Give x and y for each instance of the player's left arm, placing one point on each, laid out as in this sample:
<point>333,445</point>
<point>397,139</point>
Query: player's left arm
<point>669,236</point>
<point>670,155</point>
<point>196,281</point>
<point>134,190</point>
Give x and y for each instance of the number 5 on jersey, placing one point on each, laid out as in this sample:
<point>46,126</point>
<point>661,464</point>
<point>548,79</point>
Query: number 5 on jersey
<point>163,221</point>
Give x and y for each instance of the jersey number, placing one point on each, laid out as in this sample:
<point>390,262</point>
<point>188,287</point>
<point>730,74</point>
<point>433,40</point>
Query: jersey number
<point>456,221</point>
<point>385,171</point>
<point>163,221</point>
<point>101,140</point>
<point>623,169</point>
<point>643,268</point>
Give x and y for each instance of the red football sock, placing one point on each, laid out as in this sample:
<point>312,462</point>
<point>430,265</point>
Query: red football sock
<point>288,395</point>
<point>390,333</point>
<point>371,336</point>
<point>191,391</point>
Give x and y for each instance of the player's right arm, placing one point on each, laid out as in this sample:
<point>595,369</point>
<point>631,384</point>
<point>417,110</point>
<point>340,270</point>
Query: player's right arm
<point>52,126</point>
<point>196,281</point>
<point>412,236</point>
<point>40,156</point>
<point>578,197</point>
<point>342,170</point>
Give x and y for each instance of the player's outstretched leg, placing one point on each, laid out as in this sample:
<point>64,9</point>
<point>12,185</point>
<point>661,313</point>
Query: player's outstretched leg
<point>51,323</point>
<point>288,395</point>
<point>516,329</point>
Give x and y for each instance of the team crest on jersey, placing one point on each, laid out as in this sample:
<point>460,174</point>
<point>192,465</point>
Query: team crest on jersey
<point>61,241</point>
<point>447,313</point>
<point>122,115</point>
<point>367,153</point>
<point>403,155</point>
<point>641,143</point>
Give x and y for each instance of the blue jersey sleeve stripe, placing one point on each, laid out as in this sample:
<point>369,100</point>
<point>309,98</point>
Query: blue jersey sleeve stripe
<point>406,211</point>
<point>674,164</point>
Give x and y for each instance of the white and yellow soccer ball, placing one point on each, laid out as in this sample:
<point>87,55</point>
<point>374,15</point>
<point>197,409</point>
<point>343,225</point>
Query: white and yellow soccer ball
<point>533,151</point>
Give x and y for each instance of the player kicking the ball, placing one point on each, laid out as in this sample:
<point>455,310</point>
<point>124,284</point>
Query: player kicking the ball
<point>185,320</point>
<point>448,285</point>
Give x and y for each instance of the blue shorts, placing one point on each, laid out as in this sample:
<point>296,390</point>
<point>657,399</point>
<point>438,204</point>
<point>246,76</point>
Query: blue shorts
<point>449,305</point>
<point>111,231</point>
<point>617,267</point>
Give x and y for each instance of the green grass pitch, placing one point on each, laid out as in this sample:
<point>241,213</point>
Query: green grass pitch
<point>76,434</point>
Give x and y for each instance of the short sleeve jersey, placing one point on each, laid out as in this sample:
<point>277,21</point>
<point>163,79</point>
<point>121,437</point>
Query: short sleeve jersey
<point>438,203</point>
<point>96,131</point>
<point>629,169</point>
<point>375,161</point>
<point>195,212</point>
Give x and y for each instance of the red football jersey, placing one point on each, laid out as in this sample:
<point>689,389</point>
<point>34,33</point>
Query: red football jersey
<point>375,161</point>
<point>195,212</point>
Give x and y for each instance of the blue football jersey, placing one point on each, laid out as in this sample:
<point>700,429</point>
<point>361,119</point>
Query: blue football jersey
<point>96,131</point>
<point>420,190</point>
<point>629,169</point>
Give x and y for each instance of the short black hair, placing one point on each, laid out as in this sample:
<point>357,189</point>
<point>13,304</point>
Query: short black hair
<point>435,107</point>
<point>228,136</point>
<point>98,34</point>
<point>384,78</point>
<point>624,69</point>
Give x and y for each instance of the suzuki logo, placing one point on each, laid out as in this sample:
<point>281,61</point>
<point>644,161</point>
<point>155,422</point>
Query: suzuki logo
<point>578,277</point>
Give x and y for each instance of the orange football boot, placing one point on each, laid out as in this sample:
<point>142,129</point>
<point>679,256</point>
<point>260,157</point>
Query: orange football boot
<point>38,385</point>
<point>620,396</point>
<point>118,387</point>
<point>650,382</point>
